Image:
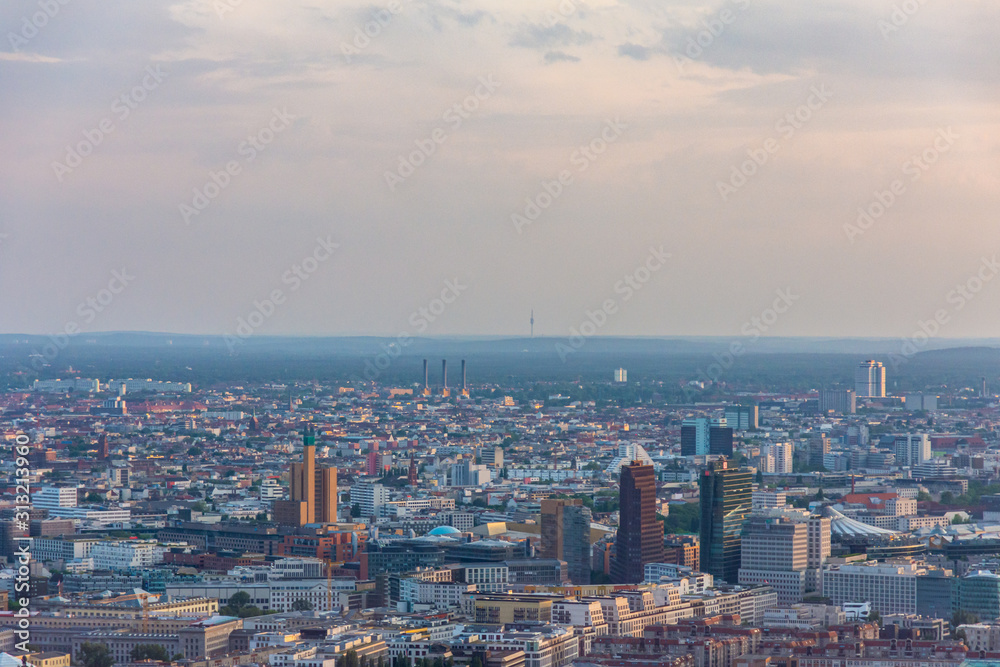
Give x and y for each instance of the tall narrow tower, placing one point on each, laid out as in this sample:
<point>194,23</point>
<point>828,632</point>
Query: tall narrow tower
<point>465,387</point>
<point>532,322</point>
<point>640,535</point>
<point>427,387</point>
<point>725,503</point>
<point>444,378</point>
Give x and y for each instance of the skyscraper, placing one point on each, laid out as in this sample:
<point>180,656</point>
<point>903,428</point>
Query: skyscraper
<point>742,417</point>
<point>565,533</point>
<point>640,535</point>
<point>819,447</point>
<point>869,379</point>
<point>720,438</point>
<point>701,435</point>
<point>912,449</point>
<point>725,503</point>
<point>325,498</point>
<point>312,493</point>
<point>576,543</point>
<point>694,436</point>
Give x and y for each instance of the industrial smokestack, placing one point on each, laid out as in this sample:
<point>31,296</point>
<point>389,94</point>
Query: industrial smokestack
<point>444,373</point>
<point>425,374</point>
<point>463,375</point>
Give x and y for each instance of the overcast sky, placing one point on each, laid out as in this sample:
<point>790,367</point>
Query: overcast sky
<point>644,109</point>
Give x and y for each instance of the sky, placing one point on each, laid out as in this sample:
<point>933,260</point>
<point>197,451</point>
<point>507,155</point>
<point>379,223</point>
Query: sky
<point>408,167</point>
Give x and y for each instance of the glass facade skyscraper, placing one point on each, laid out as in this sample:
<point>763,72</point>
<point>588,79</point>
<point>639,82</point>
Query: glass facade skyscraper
<point>725,503</point>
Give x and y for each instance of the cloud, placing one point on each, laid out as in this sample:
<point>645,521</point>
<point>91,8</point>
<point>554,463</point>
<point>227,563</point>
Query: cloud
<point>559,56</point>
<point>28,57</point>
<point>635,51</point>
<point>538,36</point>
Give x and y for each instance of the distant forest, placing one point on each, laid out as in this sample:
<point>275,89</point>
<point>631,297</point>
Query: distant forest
<point>657,368</point>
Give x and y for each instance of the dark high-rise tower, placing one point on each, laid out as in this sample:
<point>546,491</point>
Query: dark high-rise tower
<point>565,534</point>
<point>725,504</point>
<point>102,443</point>
<point>411,475</point>
<point>640,535</point>
<point>576,543</point>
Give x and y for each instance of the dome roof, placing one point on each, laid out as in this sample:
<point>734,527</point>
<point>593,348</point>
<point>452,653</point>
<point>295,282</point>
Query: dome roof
<point>445,530</point>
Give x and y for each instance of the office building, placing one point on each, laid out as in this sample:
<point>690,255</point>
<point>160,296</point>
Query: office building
<point>73,384</point>
<point>576,543</point>
<point>492,456</point>
<point>369,497</point>
<point>640,535</point>
<point>565,533</point>
<point>819,447</point>
<point>916,402</point>
<point>869,379</point>
<point>818,550</point>
<point>890,588</point>
<point>701,436</point>
<point>720,438</point>
<point>621,375</point>
<point>54,498</point>
<point>841,401</point>
<point>326,495</point>
<point>313,491</point>
<point>468,473</point>
<point>912,449</point>
<point>782,453</point>
<point>694,437</point>
<point>742,417</point>
<point>773,551</point>
<point>767,500</point>
<point>725,503</point>
<point>978,592</point>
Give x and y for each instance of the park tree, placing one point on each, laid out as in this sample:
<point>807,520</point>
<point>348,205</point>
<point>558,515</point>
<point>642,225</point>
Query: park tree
<point>150,652</point>
<point>350,659</point>
<point>94,655</point>
<point>304,605</point>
